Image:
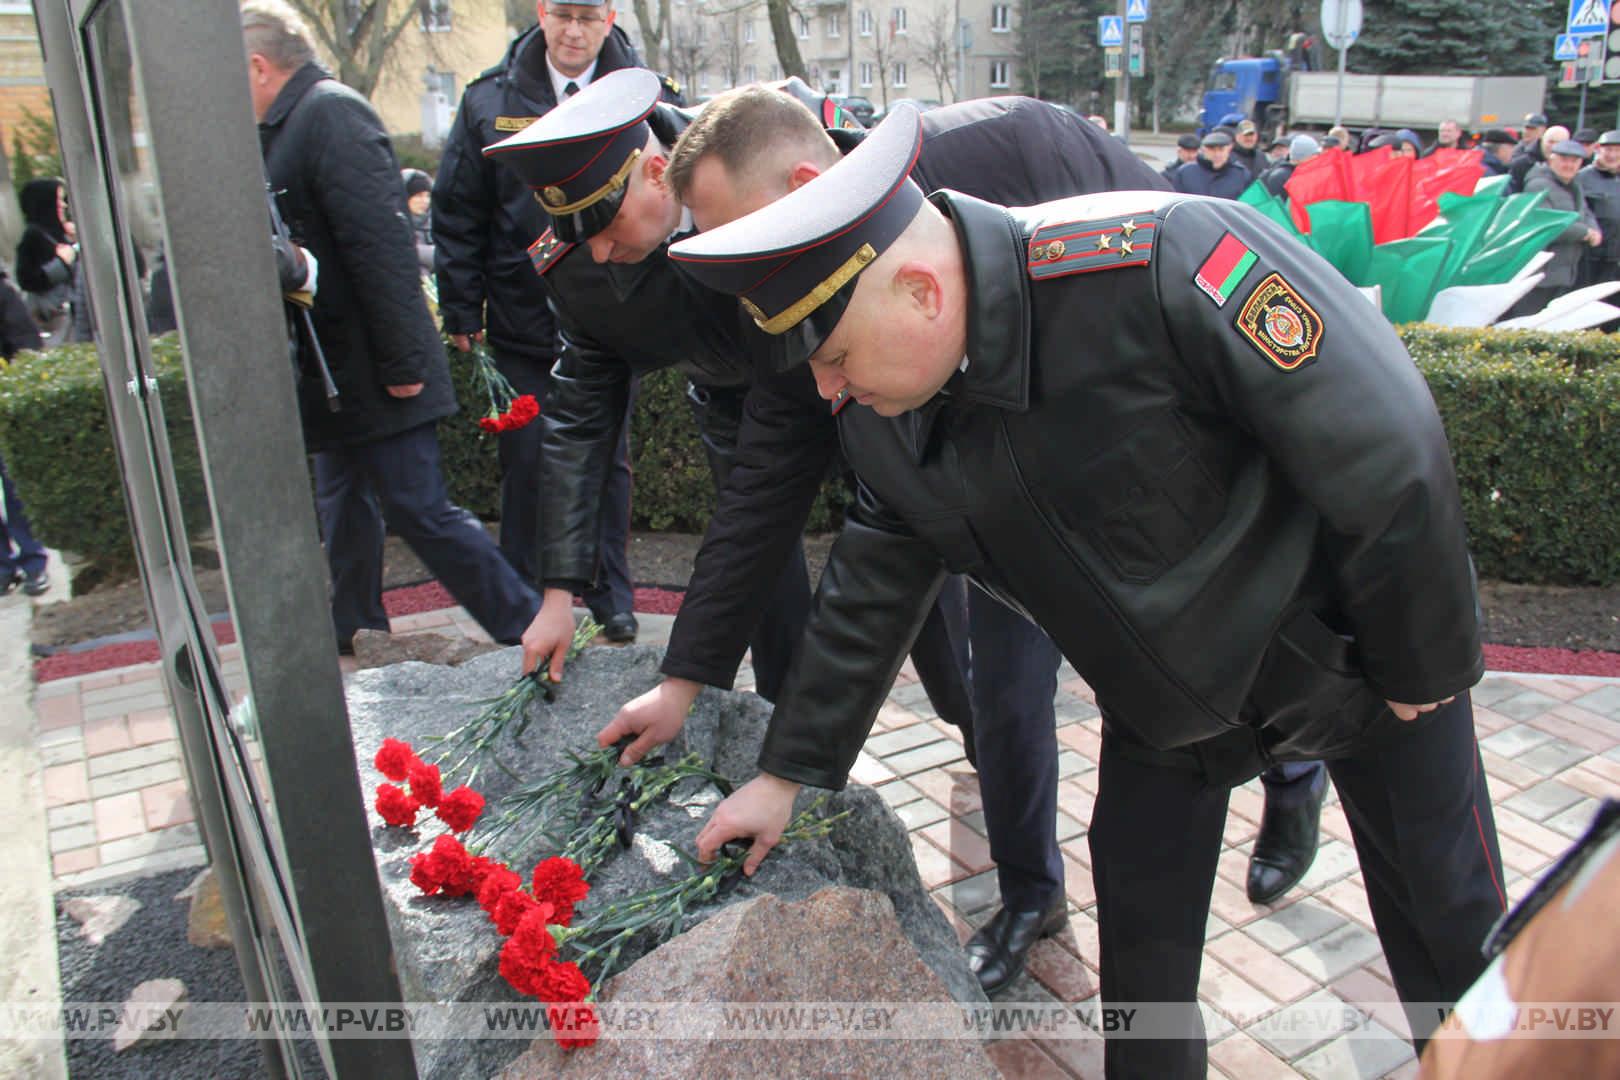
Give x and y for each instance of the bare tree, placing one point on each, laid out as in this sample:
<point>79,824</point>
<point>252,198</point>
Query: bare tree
<point>654,27</point>
<point>787,42</point>
<point>728,46</point>
<point>359,34</point>
<point>887,49</point>
<point>935,47</point>
<point>689,51</point>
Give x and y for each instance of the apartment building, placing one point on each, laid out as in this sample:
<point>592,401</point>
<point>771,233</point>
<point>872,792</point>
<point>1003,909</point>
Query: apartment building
<point>877,49</point>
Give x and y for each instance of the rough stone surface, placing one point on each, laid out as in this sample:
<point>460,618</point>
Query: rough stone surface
<point>378,648</point>
<point>100,916</point>
<point>447,949</point>
<point>841,945</point>
<point>156,999</point>
<point>206,925</point>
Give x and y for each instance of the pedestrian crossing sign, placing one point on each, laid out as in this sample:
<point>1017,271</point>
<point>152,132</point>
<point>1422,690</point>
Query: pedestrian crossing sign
<point>1588,17</point>
<point>1136,11</point>
<point>1110,31</point>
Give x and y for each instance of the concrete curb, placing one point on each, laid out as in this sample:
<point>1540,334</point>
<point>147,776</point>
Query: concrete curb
<point>28,935</point>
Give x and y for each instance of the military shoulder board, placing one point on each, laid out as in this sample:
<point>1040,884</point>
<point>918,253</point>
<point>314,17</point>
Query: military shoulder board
<point>1079,247</point>
<point>545,252</point>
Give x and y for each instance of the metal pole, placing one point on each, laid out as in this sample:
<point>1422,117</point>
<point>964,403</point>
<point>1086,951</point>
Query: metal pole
<point>1122,103</point>
<point>1343,13</point>
<point>1580,115</point>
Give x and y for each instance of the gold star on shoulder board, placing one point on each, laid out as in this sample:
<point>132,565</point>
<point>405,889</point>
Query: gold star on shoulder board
<point>1128,227</point>
<point>1102,242</point>
<point>1125,248</point>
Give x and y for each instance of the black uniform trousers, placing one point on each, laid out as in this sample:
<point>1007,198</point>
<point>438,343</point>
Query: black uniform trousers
<point>1014,678</point>
<point>1292,784</point>
<point>398,481</point>
<point>520,454</point>
<point>1419,813</point>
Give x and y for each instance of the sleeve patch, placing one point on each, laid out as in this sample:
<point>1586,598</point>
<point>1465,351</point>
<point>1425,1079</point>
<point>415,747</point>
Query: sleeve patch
<point>1079,247</point>
<point>545,252</point>
<point>1280,324</point>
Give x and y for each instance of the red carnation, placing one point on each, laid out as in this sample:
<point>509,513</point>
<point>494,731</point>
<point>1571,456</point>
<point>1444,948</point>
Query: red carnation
<point>425,784</point>
<point>563,982</point>
<point>424,873</point>
<point>454,869</point>
<point>460,808</point>
<point>518,969</point>
<point>491,424</point>
<point>560,882</point>
<point>522,410</point>
<point>573,1025</point>
<point>395,806</point>
<point>394,759</point>
<point>496,884</point>
<point>512,906</point>
<point>533,933</point>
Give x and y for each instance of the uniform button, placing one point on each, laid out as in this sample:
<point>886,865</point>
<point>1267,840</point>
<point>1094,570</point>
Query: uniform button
<point>1054,250</point>
<point>1038,252</point>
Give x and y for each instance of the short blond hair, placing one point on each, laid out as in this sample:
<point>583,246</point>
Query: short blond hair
<point>744,128</point>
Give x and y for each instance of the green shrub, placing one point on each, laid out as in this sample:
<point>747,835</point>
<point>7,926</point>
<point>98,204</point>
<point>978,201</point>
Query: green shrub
<point>1534,425</point>
<point>1533,419</point>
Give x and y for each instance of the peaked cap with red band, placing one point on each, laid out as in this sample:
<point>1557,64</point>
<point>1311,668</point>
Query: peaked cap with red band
<point>577,158</point>
<point>794,264</point>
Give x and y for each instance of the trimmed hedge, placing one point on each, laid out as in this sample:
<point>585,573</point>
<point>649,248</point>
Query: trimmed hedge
<point>1533,419</point>
<point>56,439</point>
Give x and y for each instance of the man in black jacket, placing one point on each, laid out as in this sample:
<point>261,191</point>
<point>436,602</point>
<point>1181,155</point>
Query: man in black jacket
<point>1015,148</point>
<point>484,220</point>
<point>1108,411</point>
<point>338,188</point>
<point>1215,172</point>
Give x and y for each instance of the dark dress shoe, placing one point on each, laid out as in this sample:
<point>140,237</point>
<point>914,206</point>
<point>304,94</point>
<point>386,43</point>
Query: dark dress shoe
<point>36,584</point>
<point>621,628</point>
<point>996,953</point>
<point>1285,848</point>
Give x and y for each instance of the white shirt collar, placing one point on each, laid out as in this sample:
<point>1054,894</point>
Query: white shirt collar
<point>559,80</point>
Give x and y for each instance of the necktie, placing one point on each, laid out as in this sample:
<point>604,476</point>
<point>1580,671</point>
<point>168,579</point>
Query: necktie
<point>571,89</point>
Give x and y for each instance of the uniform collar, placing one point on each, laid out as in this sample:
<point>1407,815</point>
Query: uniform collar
<point>559,81</point>
<point>998,317</point>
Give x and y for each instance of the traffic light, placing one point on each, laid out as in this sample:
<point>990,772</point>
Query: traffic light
<point>1611,63</point>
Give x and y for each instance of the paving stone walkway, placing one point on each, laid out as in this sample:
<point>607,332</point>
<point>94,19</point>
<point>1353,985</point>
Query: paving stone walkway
<point>117,803</point>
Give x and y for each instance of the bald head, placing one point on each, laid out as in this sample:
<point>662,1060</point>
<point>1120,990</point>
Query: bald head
<point>745,150</point>
<point>1552,136</point>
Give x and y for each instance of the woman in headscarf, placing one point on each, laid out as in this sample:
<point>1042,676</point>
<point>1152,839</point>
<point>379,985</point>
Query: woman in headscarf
<point>46,258</point>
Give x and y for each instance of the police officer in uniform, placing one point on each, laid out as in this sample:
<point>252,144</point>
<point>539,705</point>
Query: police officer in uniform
<point>484,220</point>
<point>1600,183</point>
<point>1107,410</point>
<point>1015,147</point>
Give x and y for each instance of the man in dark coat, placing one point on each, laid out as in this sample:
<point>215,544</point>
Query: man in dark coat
<point>377,457</point>
<point>1532,154</point>
<point>1498,146</point>
<point>1014,148</point>
<point>1600,184</point>
<point>484,220</point>
<point>1246,147</point>
<point>1214,172</point>
<point>1559,182</point>
<point>1110,412</point>
<point>1186,151</point>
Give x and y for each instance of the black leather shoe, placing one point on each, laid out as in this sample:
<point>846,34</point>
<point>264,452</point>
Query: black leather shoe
<point>36,584</point>
<point>1285,848</point>
<point>996,953</point>
<point>621,628</point>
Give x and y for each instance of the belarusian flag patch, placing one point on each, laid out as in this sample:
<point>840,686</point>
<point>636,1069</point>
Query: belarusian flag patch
<point>1224,269</point>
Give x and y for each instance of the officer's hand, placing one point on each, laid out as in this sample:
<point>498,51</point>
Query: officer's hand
<point>406,390</point>
<point>654,718</point>
<point>759,809</point>
<point>550,634</point>
<point>464,342</point>
<point>1412,712</point>
<point>1594,237</point>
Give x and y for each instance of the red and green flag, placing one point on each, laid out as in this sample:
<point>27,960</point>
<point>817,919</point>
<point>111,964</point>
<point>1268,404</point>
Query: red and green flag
<point>1224,269</point>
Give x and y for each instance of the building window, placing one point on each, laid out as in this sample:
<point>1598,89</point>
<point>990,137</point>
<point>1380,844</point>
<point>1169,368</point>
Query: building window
<point>899,77</point>
<point>866,74</point>
<point>835,24</point>
<point>899,20</point>
<point>866,23</point>
<point>750,73</point>
<point>804,27</point>
<point>435,16</point>
<point>702,31</point>
<point>1000,18</point>
<point>748,32</point>
<point>998,73</point>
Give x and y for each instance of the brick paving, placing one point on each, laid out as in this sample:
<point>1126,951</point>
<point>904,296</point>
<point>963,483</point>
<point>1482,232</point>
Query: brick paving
<point>116,803</point>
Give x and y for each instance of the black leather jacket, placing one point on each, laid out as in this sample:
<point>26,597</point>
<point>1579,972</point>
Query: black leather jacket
<point>1221,547</point>
<point>485,217</point>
